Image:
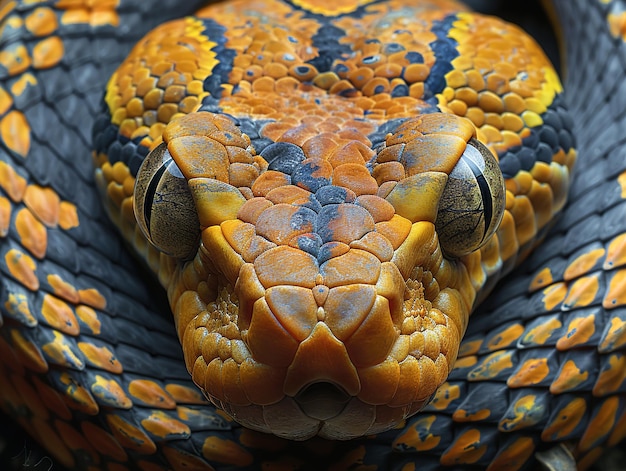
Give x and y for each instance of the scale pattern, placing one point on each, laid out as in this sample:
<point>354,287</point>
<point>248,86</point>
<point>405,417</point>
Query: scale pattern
<point>80,330</point>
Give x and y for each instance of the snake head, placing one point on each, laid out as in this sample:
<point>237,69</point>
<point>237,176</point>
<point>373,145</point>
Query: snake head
<point>320,287</point>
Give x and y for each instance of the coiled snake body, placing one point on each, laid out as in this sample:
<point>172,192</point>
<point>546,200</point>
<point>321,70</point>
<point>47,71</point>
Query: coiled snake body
<point>315,186</point>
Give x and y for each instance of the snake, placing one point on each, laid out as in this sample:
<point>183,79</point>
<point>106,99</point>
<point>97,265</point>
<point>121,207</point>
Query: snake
<point>285,234</point>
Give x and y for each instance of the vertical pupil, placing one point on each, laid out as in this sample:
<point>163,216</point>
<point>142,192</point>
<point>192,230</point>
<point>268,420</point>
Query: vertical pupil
<point>485,191</point>
<point>150,192</point>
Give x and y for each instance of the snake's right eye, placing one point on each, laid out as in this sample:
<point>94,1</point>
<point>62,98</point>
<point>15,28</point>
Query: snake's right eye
<point>164,207</point>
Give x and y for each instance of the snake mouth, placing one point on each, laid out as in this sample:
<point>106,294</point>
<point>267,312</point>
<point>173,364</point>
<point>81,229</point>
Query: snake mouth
<point>322,400</point>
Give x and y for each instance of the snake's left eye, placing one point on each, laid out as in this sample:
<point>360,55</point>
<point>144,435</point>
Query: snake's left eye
<point>472,204</point>
<point>164,207</point>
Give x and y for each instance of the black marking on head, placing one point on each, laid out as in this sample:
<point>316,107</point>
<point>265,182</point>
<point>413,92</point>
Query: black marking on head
<point>327,41</point>
<point>358,12</point>
<point>303,177</point>
<point>225,56</point>
<point>310,243</point>
<point>324,218</point>
<point>445,51</point>
<point>302,218</point>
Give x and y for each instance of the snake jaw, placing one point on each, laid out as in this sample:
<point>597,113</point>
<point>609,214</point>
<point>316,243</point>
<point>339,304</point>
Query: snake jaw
<point>264,361</point>
<point>310,278</point>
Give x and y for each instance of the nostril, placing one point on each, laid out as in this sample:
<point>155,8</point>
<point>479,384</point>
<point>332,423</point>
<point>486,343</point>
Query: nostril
<point>322,401</point>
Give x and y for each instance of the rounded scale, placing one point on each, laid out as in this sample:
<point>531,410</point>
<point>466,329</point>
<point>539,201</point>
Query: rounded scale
<point>472,204</point>
<point>164,207</point>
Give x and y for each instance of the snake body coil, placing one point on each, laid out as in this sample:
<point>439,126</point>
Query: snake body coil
<point>317,188</point>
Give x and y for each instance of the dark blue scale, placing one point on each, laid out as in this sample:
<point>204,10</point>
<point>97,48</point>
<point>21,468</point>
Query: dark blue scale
<point>556,133</point>
<point>283,157</point>
<point>534,419</point>
<point>310,244</point>
<point>491,396</point>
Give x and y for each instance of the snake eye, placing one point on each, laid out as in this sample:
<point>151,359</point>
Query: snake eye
<point>164,207</point>
<point>472,204</point>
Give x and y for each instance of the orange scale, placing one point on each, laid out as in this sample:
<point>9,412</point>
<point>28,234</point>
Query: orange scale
<point>378,208</point>
<point>286,265</point>
<point>166,112</point>
<point>388,70</point>
<point>15,132</point>
<point>275,70</point>
<point>615,295</point>
<point>184,395</point>
<point>170,77</point>
<point>89,319</point>
<point>33,234</point>
<point>59,315</point>
<point>498,84</point>
<point>289,194</point>
<point>5,216</point>
<point>326,80</point>
<point>110,392</point>
<point>174,93</point>
<point>151,394</point>
<point>601,424</point>
<point>314,120</point>
<point>242,175</point>
<point>300,134</point>
<point>188,104</point>
<point>265,84</point>
<point>11,182</point>
<point>41,22</point>
<point>100,357</point>
<point>355,177</point>
<point>352,152</point>
<point>303,72</point>
<point>266,182</point>
<point>355,266</point>
<point>376,244</point>
<point>190,154</point>
<point>343,87</point>
<point>359,77</point>
<point>48,52</point>
<point>416,73</point>
<point>280,223</point>
<point>616,253</point>
<point>494,119</point>
<point>319,147</point>
<point>398,111</point>
<point>153,98</point>
<point>186,66</point>
<point>22,268</point>
<point>329,126</point>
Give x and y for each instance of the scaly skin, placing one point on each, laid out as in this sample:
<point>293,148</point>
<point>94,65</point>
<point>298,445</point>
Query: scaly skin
<point>83,375</point>
<point>320,259</point>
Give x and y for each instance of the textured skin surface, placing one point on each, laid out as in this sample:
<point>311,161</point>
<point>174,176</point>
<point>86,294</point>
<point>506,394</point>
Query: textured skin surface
<point>550,350</point>
<point>325,211</point>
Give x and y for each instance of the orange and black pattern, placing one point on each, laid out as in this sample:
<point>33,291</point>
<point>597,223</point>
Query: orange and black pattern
<point>298,96</point>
